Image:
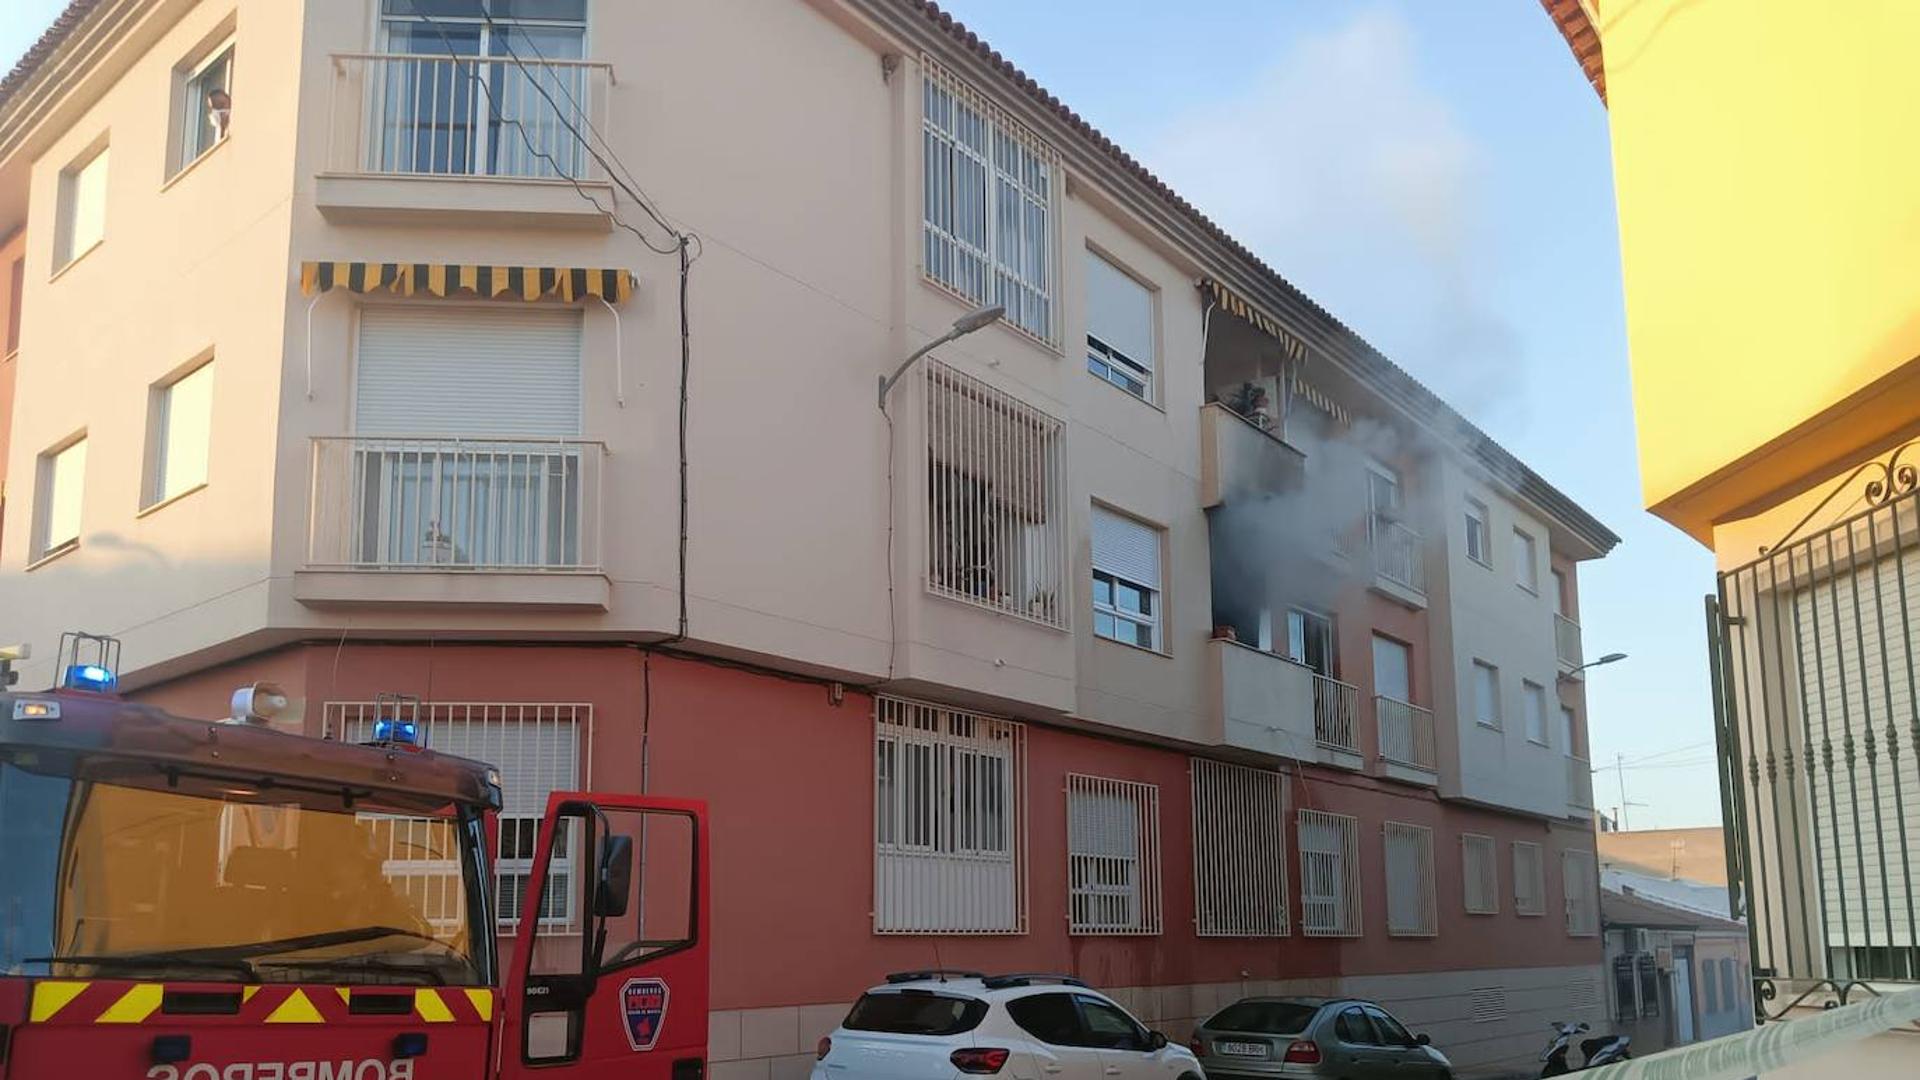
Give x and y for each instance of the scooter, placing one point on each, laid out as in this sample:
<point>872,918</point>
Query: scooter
<point>1600,1050</point>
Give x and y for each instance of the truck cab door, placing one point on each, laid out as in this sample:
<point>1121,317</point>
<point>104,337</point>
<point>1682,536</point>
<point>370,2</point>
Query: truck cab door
<point>608,975</point>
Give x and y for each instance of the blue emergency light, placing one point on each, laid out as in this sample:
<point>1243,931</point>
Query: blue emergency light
<point>388,729</point>
<point>94,677</point>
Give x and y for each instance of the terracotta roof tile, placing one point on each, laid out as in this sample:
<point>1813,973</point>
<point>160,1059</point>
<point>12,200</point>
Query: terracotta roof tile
<point>1582,37</point>
<point>56,35</point>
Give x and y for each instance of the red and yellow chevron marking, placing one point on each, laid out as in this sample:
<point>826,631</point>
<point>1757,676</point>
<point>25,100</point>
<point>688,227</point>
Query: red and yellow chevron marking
<point>73,1002</point>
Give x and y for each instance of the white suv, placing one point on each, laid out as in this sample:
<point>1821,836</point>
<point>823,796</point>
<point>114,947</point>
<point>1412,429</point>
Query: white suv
<point>924,1025</point>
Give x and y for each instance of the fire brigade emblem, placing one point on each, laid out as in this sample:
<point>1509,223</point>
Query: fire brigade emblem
<point>644,1004</point>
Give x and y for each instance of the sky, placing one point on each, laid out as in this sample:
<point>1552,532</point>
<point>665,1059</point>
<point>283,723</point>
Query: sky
<point>1437,176</point>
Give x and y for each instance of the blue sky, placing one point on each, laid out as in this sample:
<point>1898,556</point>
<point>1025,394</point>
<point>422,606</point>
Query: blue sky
<point>1437,175</point>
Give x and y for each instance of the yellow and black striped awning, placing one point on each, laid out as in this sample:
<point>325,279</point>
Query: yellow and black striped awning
<point>454,279</point>
<point>1234,304</point>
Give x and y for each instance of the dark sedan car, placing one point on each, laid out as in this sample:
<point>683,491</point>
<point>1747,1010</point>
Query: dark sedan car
<point>1267,1038</point>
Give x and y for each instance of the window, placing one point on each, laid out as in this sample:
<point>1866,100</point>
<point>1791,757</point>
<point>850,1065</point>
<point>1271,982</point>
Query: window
<point>1710,993</point>
<point>1392,1032</point>
<point>1526,568</point>
<point>1626,996</point>
<point>1329,874</point>
<point>82,219</point>
<point>1479,544</point>
<point>183,429</point>
<point>1535,696</point>
<point>1107,1027</point>
<point>949,821</point>
<point>1649,985</point>
<point>537,749</point>
<point>1410,894</point>
<point>1486,694</point>
<point>16,292</point>
<point>1480,872</point>
<point>988,204</point>
<point>1113,856</point>
<point>442,115</point>
<point>1583,902</point>
<point>917,1013</point>
<point>1310,641</point>
<point>62,479</point>
<point>1119,328</point>
<point>1051,1018</point>
<point>1529,879</point>
<point>994,535</point>
<point>1353,1028</point>
<point>1566,731</point>
<point>206,105</point>
<point>1562,592</point>
<point>1239,856</point>
<point>1126,579</point>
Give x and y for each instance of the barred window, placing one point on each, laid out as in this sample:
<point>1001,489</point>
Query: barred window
<point>949,821</point>
<point>994,483</point>
<point>1480,872</point>
<point>988,186</point>
<point>1329,874</point>
<point>1583,903</point>
<point>1626,1003</point>
<point>1113,856</point>
<point>1529,879</point>
<point>1410,892</point>
<point>1239,854</point>
<point>1649,985</point>
<point>536,747</point>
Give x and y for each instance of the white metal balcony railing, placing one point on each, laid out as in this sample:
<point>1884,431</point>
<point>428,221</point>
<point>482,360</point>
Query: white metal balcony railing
<point>383,503</point>
<point>1406,732</point>
<point>1566,641</point>
<point>1579,783</point>
<point>1334,706</point>
<point>423,115</point>
<point>1397,555</point>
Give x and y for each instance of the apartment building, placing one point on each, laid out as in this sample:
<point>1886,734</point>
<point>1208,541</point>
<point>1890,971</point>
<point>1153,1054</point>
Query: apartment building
<point>513,364</point>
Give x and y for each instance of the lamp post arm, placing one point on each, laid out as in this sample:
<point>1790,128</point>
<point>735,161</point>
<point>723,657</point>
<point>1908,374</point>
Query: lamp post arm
<point>887,381</point>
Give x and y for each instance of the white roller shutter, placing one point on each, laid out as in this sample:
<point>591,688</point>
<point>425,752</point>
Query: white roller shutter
<point>1119,311</point>
<point>1126,548</point>
<point>468,371</point>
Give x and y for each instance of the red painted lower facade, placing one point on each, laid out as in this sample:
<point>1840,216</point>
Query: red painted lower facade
<point>788,772</point>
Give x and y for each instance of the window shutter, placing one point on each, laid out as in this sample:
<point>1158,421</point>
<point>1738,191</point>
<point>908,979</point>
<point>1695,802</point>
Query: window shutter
<point>1126,548</point>
<point>1119,311</point>
<point>468,372</point>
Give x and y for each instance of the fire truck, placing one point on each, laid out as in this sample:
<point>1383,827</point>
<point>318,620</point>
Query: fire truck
<point>188,899</point>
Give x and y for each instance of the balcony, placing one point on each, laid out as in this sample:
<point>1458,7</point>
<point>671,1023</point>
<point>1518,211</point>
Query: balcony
<point>1238,458</point>
<point>417,521</point>
<point>464,140</point>
<point>1335,706</point>
<point>1261,701</point>
<point>1579,787</point>
<point>1566,642</point>
<point>1399,563</point>
<point>1406,741</point>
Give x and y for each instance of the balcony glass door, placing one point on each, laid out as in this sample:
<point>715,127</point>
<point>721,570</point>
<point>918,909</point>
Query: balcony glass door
<point>480,87</point>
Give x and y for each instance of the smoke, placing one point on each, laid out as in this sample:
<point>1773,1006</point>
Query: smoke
<point>1355,179</point>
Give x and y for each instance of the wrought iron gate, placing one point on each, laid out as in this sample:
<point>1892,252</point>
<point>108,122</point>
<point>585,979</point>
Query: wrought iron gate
<point>1815,649</point>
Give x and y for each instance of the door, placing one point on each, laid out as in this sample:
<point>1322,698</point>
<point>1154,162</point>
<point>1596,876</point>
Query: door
<point>1682,996</point>
<point>1410,1059</point>
<point>1127,1050</point>
<point>1357,1052</point>
<point>1060,1050</point>
<point>621,990</point>
<point>1392,669</point>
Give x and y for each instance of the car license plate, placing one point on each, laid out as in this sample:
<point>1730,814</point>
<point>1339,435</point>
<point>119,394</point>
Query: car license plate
<point>1242,1049</point>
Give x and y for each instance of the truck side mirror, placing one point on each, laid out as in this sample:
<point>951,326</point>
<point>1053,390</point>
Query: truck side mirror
<point>615,878</point>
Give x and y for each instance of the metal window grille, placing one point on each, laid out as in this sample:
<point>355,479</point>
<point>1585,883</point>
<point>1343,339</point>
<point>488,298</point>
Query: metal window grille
<point>950,821</point>
<point>423,864</point>
<point>995,483</point>
<point>1626,1003</point>
<point>1480,871</point>
<point>1583,903</point>
<point>988,215</point>
<point>1406,732</point>
<point>1487,1004</point>
<point>1113,856</point>
<point>1649,985</point>
<point>1239,851</point>
<point>1329,874</point>
<point>536,747</point>
<point>1411,909</point>
<point>1529,879</point>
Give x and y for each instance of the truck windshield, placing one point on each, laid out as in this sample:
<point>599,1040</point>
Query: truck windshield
<point>207,879</point>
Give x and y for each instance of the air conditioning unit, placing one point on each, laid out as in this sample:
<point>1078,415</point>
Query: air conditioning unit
<point>1639,941</point>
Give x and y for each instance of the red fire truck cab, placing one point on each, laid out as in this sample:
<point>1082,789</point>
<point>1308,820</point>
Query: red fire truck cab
<point>192,900</point>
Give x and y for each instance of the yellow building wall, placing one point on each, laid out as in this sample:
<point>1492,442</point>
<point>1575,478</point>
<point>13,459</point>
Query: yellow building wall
<point>1768,180</point>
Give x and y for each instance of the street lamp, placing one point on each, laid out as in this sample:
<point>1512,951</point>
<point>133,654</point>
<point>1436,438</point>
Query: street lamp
<point>1610,658</point>
<point>962,326</point>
